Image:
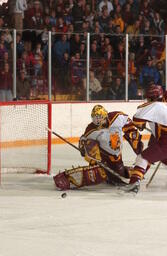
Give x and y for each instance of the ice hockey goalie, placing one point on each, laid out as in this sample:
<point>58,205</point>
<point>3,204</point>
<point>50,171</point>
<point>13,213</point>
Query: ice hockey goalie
<point>102,141</point>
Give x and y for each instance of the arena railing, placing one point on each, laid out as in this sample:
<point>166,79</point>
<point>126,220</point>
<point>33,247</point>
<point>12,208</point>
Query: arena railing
<point>116,66</point>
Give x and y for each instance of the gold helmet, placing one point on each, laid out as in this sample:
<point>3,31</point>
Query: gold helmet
<point>98,115</point>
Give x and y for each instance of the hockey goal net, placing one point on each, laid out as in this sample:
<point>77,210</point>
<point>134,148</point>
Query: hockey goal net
<point>25,143</point>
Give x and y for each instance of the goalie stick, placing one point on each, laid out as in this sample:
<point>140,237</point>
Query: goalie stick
<point>152,176</point>
<point>92,158</point>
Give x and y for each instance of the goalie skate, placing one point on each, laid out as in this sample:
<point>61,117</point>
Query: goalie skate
<point>131,188</point>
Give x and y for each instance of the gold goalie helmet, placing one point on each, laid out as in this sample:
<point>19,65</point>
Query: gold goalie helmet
<point>99,115</point>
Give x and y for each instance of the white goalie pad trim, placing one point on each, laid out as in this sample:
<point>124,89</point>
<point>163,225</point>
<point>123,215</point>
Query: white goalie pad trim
<point>141,162</point>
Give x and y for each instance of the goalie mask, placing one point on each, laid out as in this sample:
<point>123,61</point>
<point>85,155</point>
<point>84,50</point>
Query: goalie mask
<point>154,92</point>
<point>99,115</point>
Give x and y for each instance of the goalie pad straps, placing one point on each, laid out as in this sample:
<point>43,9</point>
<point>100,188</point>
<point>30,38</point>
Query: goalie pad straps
<point>79,177</point>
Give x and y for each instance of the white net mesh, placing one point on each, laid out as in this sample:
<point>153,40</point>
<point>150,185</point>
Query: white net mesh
<point>23,137</point>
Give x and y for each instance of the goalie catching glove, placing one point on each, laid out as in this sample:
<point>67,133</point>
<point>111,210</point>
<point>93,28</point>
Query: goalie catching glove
<point>89,149</point>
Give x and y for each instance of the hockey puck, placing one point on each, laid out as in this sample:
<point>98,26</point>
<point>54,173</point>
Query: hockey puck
<point>63,195</point>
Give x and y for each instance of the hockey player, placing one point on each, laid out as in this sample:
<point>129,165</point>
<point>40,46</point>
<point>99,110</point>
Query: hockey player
<point>102,141</point>
<point>155,113</point>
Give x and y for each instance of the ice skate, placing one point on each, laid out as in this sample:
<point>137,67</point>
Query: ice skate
<point>134,187</point>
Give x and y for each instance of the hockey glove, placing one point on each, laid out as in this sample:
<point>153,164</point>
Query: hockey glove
<point>134,139</point>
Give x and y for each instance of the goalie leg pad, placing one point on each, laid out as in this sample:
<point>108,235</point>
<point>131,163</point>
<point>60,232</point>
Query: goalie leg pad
<point>94,175</point>
<point>80,177</point>
<point>61,181</point>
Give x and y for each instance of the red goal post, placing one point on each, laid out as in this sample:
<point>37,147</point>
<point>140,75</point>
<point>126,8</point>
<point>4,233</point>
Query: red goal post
<point>25,143</point>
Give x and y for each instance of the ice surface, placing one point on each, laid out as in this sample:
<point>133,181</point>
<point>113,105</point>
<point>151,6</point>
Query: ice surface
<point>96,221</point>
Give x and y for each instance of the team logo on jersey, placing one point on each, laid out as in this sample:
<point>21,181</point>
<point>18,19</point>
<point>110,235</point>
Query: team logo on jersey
<point>115,141</point>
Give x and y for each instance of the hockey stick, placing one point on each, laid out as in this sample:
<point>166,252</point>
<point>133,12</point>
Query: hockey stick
<point>94,159</point>
<point>151,178</point>
<point>60,137</point>
<point>106,167</point>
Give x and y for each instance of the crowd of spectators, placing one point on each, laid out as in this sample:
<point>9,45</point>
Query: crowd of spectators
<point>69,21</point>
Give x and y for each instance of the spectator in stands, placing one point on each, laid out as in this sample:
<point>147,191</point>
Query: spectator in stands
<point>109,56</point>
<point>8,38</point>
<point>6,83</point>
<point>19,44</point>
<point>111,27</point>
<point>24,63</point>
<point>45,36</point>
<point>134,28</point>
<point>52,17</point>
<point>161,69</point>
<point>118,21</point>
<point>1,23</point>
<point>3,41</point>
<point>107,87</point>
<point>38,56</point>
<point>95,87</point>
<point>149,73</point>
<point>146,29</point>
<point>89,15</point>
<point>23,86</point>
<point>2,50</point>
<point>36,21</point>
<point>60,47</point>
<point>134,6</point>
<point>117,38</point>
<point>141,50</point>
<point>145,8</point>
<point>60,4</point>
<point>116,3</point>
<point>48,4</point>
<point>119,89</point>
<point>31,12</point>
<point>78,14</point>
<point>75,43</point>
<point>47,22</point>
<point>95,56</point>
<point>82,51</point>
<point>127,15</point>
<point>104,19</point>
<point>106,3</point>
<point>132,87</point>
<point>158,23</point>
<point>62,75</point>
<point>132,64</point>
<point>18,14</point>
<point>67,15</point>
<point>6,60</point>
<point>77,74</point>
<point>61,27</point>
<point>120,59</point>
